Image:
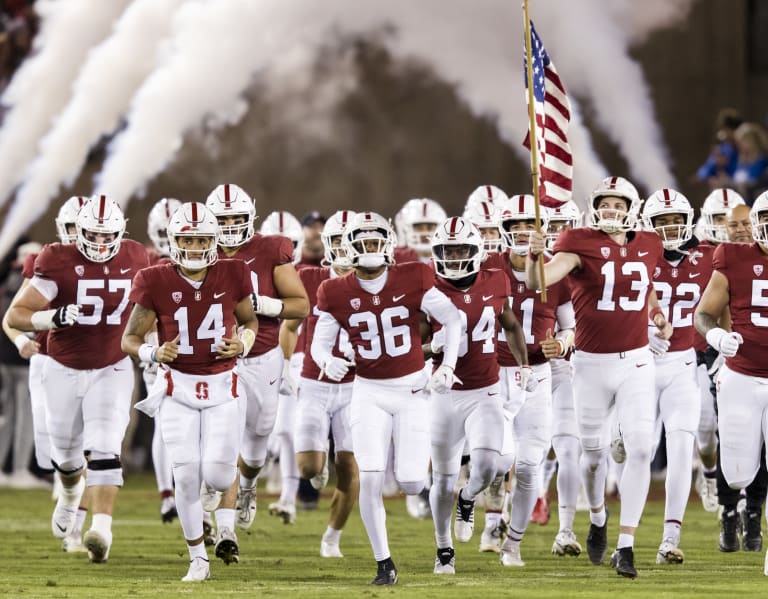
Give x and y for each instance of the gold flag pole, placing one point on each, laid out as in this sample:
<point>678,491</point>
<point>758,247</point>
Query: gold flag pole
<point>534,145</point>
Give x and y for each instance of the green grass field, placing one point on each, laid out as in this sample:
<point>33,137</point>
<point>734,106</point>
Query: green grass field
<point>148,559</point>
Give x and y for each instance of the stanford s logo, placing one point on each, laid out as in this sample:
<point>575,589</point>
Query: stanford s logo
<point>623,252</point>
<point>467,298</point>
<point>521,287</point>
<point>605,252</point>
<point>656,272</point>
<point>201,390</point>
<point>176,296</point>
<point>758,269</point>
<point>675,272</point>
<point>376,300</point>
<point>80,270</point>
<point>198,296</point>
<point>355,303</point>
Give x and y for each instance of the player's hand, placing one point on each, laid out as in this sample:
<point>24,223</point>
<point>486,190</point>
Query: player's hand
<point>724,342</point>
<point>527,381</point>
<point>345,347</point>
<point>66,316</point>
<point>230,347</point>
<point>287,384</point>
<point>335,368</point>
<point>536,243</point>
<point>443,379</point>
<point>27,347</point>
<point>665,329</point>
<point>657,344</point>
<point>168,351</point>
<point>551,347</point>
<point>438,342</point>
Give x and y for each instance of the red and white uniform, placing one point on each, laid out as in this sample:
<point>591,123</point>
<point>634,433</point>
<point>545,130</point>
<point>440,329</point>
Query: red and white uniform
<point>405,254</point>
<point>472,412</point>
<point>323,405</point>
<point>742,383</point>
<point>88,379</point>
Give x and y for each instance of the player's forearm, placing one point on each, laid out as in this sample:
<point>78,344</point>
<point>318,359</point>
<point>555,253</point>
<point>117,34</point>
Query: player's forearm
<point>324,339</point>
<point>516,344</point>
<point>287,338</point>
<point>19,318</point>
<point>704,322</point>
<point>130,344</point>
<point>295,307</point>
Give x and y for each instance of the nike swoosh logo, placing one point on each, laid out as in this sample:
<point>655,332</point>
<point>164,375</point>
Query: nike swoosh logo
<point>541,380</point>
<point>61,528</point>
<point>218,295</point>
<point>414,391</point>
<point>124,270</point>
<point>487,297</point>
<point>641,254</point>
<point>693,275</point>
<point>249,261</point>
<point>397,298</point>
<point>273,382</point>
<point>689,363</point>
<point>640,365</point>
<point>492,394</point>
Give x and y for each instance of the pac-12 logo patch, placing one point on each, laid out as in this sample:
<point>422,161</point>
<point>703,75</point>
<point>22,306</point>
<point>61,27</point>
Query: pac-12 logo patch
<point>80,270</point>
<point>355,303</point>
<point>605,252</point>
<point>758,269</point>
<point>176,296</point>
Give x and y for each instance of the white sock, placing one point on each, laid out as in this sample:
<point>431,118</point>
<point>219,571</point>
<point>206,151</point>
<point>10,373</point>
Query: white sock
<point>225,518</point>
<point>672,531</point>
<point>636,478</point>
<point>102,523</point>
<point>332,536</point>
<point>289,489</point>
<point>441,504</point>
<point>373,514</point>
<point>492,520</point>
<point>247,483</point>
<point>598,518</point>
<point>678,483</point>
<point>567,449</point>
<point>625,540</point>
<point>79,521</point>
<point>524,498</point>
<point>197,551</point>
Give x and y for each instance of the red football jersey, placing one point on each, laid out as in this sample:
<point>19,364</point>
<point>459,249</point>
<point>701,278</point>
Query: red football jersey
<point>479,308</point>
<point>101,289</point>
<point>155,258</point>
<point>200,317</point>
<point>312,277</point>
<point>699,343</point>
<point>28,271</point>
<point>679,288</point>
<point>261,255</point>
<point>535,317</point>
<point>404,254</point>
<point>610,290</point>
<point>746,268</point>
<point>383,328</point>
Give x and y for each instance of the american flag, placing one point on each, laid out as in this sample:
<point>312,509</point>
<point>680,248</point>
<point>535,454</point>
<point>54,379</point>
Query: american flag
<point>553,113</point>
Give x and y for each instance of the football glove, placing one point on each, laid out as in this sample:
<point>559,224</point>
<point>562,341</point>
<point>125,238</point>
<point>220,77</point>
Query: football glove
<point>63,316</point>
<point>657,345</point>
<point>443,379</point>
<point>266,306</point>
<point>335,368</point>
<point>527,381</point>
<point>723,341</point>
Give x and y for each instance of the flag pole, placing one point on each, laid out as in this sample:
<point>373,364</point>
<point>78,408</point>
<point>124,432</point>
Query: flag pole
<point>533,139</point>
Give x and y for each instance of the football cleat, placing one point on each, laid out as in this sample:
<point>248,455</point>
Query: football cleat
<point>65,513</point>
<point>669,552</point>
<point>209,533</point>
<point>493,537</point>
<point>707,489</point>
<point>227,549</point>
<point>329,549</point>
<point>445,562</point>
<point>73,544</point>
<point>98,545</point>
<point>566,543</point>
<point>318,481</point>
<point>597,541</point>
<point>752,539</point>
<point>386,574</point>
<point>464,524</point>
<point>209,497</point>
<point>283,510</point>
<point>199,570</point>
<point>624,561</point>
<point>729,531</point>
<point>418,506</point>
<point>540,514</point>
<point>168,511</point>
<point>510,554</point>
<point>245,510</point>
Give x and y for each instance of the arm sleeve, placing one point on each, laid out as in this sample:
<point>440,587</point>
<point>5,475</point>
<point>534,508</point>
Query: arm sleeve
<point>324,339</point>
<point>566,319</point>
<point>438,307</point>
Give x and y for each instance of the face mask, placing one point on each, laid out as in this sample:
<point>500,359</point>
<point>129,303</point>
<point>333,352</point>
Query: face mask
<point>371,260</point>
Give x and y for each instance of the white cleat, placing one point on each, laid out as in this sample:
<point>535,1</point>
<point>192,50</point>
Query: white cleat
<point>210,498</point>
<point>510,554</point>
<point>65,513</point>
<point>97,545</point>
<point>669,553</point>
<point>493,537</point>
<point>417,507</point>
<point>199,570</point>
<point>283,510</point>
<point>445,562</point>
<point>245,509</point>
<point>318,481</point>
<point>464,523</point>
<point>328,549</point>
<point>227,548</point>
<point>168,511</point>
<point>209,530</point>
<point>765,566</point>
<point>708,493</point>
<point>73,544</point>
<point>566,543</point>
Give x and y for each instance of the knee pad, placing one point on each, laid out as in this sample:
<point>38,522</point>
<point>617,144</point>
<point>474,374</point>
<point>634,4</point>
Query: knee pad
<point>527,475</point>
<point>566,448</point>
<point>186,479</point>
<point>592,443</point>
<point>104,470</point>
<point>219,475</point>
<point>70,464</point>
<point>484,464</point>
<point>411,487</point>
<point>253,450</point>
<point>594,458</point>
<point>638,445</point>
<point>444,483</point>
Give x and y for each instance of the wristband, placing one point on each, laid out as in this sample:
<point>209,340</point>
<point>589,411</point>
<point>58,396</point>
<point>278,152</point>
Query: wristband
<point>532,256</point>
<point>43,320</point>
<point>21,341</point>
<point>148,353</point>
<point>654,312</point>
<point>247,337</point>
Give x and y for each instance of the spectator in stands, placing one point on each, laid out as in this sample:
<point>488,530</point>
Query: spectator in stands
<point>720,166</point>
<point>752,168</point>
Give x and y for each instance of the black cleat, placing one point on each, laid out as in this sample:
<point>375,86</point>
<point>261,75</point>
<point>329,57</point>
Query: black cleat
<point>597,542</point>
<point>624,561</point>
<point>729,531</point>
<point>387,573</point>
<point>753,535</point>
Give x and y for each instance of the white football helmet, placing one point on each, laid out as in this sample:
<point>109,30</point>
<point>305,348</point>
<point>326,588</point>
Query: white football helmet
<point>193,219</point>
<point>567,216</point>
<point>366,226</point>
<point>759,229</point>
<point>417,212</point>
<point>285,224</point>
<point>457,249</point>
<point>99,216</point>
<point>613,221</point>
<point>668,201</point>
<point>486,216</point>
<point>486,193</point>
<point>229,200</point>
<point>717,204</point>
<point>67,217</point>
<point>157,223</point>
<point>334,230</point>
<point>520,208</point>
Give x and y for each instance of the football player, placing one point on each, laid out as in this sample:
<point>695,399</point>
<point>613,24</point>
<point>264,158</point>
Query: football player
<point>80,294</point>
<point>286,224</point>
<point>471,411</point>
<point>486,193</point>
<point>611,267</point>
<point>380,307</point>
<point>738,283</point>
<point>418,219</point>
<point>278,293</point>
<point>323,403</point>
<point>198,305</point>
<point>486,217</point>
<point>678,278</point>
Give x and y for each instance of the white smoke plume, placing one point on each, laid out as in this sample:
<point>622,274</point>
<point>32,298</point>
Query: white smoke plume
<point>110,76</point>
<point>42,85</point>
